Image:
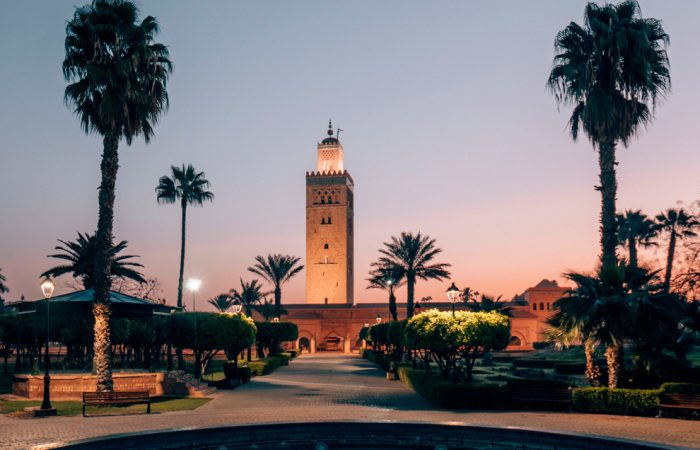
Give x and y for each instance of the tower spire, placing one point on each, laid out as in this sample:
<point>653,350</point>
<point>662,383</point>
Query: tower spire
<point>330,128</point>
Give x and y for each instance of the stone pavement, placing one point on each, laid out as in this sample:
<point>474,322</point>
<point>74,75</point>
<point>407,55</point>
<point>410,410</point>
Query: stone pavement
<point>334,387</point>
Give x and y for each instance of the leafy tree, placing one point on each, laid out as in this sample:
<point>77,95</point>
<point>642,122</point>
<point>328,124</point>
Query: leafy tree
<point>479,333</point>
<point>678,225</point>
<point>271,334</point>
<point>190,188</point>
<point>635,229</point>
<point>3,290</point>
<point>221,302</point>
<point>276,269</point>
<point>118,76</point>
<point>249,296</point>
<point>409,257</point>
<point>612,69</point>
<point>207,334</point>
<point>388,280</point>
<point>151,289</point>
<point>80,256</point>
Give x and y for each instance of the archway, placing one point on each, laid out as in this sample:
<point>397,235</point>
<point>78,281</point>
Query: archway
<point>304,345</point>
<point>332,342</point>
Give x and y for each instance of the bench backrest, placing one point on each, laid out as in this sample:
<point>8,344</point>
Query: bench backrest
<point>115,396</point>
<point>678,399</point>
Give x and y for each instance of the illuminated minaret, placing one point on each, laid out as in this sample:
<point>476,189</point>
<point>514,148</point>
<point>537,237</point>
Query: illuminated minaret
<point>329,227</point>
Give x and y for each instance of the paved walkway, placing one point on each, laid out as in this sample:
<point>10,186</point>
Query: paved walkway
<point>334,387</point>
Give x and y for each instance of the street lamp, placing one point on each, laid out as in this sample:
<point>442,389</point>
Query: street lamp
<point>276,320</point>
<point>236,308</point>
<point>379,319</point>
<point>46,409</point>
<point>452,296</point>
<point>193,285</point>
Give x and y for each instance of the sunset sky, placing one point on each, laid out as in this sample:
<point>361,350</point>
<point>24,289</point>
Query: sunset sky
<point>448,130</point>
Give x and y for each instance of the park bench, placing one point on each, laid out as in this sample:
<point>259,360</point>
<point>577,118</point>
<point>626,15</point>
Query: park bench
<point>540,395</point>
<point>116,398</point>
<point>677,401</point>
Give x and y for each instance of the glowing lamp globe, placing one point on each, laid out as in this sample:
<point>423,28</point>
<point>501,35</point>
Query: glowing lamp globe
<point>47,287</point>
<point>453,293</point>
<point>236,308</point>
<point>193,284</point>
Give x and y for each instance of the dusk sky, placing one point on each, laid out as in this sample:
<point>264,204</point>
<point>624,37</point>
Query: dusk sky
<point>449,130</point>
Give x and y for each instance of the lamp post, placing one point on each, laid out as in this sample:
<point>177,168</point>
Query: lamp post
<point>452,296</point>
<point>276,320</point>
<point>379,319</point>
<point>193,285</point>
<point>236,308</point>
<point>47,288</point>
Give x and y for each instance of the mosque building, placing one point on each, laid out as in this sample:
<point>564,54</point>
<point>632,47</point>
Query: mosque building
<point>331,320</point>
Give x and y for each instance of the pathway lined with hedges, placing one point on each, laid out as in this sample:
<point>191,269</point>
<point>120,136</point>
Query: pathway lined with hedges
<point>335,387</point>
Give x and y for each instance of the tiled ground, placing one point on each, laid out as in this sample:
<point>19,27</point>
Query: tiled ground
<point>334,387</point>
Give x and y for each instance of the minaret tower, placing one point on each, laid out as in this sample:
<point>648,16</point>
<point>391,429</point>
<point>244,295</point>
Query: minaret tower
<point>329,226</point>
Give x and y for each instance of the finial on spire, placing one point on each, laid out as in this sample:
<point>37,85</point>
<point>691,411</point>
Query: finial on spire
<point>330,128</point>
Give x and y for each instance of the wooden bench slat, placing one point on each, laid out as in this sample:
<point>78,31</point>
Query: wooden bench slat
<point>116,398</point>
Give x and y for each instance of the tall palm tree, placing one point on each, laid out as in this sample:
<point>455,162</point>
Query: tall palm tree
<point>80,261</point>
<point>635,229</point>
<point>276,269</point>
<point>221,302</point>
<point>118,76</point>
<point>612,69</point>
<point>409,256</point>
<point>389,281</point>
<point>679,225</point>
<point>249,295</point>
<point>190,187</point>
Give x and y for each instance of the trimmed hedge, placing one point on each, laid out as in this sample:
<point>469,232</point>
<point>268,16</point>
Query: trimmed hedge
<point>629,402</point>
<point>681,388</point>
<point>454,395</point>
<point>538,383</point>
<point>264,366</point>
<point>533,363</point>
<point>541,345</point>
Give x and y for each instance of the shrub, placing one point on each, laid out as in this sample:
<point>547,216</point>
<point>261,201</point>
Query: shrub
<point>284,357</point>
<point>453,395</point>
<point>271,334</point>
<point>541,345</point>
<point>602,400</point>
<point>570,368</point>
<point>264,366</point>
<point>538,383</point>
<point>244,373</point>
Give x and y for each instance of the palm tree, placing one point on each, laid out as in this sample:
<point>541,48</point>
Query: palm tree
<point>221,302</point>
<point>635,228</point>
<point>277,269</point>
<point>249,295</point>
<point>118,76</point>
<point>389,281</point>
<point>267,309</point>
<point>596,312</point>
<point>489,303</point>
<point>80,261</point>
<point>679,225</point>
<point>612,70</point>
<point>190,187</point>
<point>409,257</point>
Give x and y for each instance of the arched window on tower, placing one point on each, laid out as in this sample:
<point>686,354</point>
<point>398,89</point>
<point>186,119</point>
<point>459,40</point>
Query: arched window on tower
<point>323,200</point>
<point>330,199</point>
<point>325,246</point>
<point>329,220</point>
<point>541,306</point>
<point>323,220</point>
<point>534,306</point>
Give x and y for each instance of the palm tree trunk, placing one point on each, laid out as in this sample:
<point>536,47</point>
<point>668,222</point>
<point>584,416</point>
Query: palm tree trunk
<point>410,288</point>
<point>103,244</point>
<point>392,305</point>
<point>592,370</point>
<point>278,301</point>
<point>632,244</point>
<point>612,356</point>
<point>669,260</point>
<point>608,192</point>
<point>180,357</point>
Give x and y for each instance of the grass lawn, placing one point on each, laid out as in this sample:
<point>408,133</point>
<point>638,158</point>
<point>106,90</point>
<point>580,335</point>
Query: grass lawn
<point>74,408</point>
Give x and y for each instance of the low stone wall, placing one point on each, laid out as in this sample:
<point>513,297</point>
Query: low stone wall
<point>72,386</point>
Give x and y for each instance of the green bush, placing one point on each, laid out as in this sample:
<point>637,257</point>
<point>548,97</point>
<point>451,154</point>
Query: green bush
<point>453,395</point>
<point>284,357</point>
<point>629,402</point>
<point>264,366</point>
<point>570,368</point>
<point>244,373</point>
<point>271,334</point>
